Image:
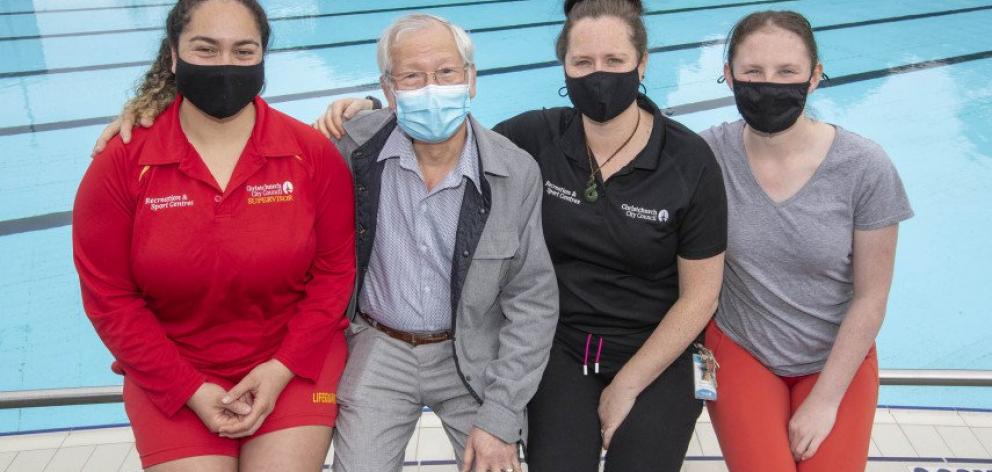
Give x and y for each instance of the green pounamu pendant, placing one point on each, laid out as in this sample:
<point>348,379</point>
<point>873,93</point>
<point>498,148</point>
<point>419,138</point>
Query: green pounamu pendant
<point>591,194</point>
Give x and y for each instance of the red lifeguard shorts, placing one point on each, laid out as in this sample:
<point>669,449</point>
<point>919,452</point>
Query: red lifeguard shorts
<point>160,438</point>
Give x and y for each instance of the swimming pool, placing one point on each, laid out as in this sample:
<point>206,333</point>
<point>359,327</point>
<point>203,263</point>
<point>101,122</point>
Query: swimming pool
<point>910,74</point>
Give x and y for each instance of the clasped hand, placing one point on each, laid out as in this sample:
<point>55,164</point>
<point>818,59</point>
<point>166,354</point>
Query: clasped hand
<point>240,411</point>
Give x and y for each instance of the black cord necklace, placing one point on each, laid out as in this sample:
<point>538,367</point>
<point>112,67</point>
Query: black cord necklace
<point>591,194</point>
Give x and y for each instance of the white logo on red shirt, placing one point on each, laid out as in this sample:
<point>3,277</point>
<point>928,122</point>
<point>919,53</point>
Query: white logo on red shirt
<point>167,202</point>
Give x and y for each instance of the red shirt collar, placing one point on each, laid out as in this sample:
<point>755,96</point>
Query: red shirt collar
<point>271,136</point>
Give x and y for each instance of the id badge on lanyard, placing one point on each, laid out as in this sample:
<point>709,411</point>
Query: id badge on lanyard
<point>704,367</point>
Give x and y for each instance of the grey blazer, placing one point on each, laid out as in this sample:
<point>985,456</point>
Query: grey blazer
<point>506,310</point>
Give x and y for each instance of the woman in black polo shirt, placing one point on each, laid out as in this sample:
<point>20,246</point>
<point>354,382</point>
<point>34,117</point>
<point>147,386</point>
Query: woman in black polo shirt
<point>635,218</point>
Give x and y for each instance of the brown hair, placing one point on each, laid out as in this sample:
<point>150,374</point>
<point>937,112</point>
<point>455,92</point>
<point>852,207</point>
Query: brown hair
<point>629,11</point>
<point>785,19</point>
<point>158,88</point>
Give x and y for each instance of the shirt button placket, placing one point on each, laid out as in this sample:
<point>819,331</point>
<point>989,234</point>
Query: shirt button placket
<point>422,232</point>
<point>218,203</point>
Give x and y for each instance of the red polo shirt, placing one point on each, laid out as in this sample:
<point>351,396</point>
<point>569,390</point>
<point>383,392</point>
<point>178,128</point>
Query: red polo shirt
<point>184,281</point>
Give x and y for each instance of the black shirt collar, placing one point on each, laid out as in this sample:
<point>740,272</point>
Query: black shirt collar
<point>572,140</point>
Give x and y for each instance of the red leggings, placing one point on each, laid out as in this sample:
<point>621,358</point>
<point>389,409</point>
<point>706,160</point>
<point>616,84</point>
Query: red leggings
<point>752,411</point>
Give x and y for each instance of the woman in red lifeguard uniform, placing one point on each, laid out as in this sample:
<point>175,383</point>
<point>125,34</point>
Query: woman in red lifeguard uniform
<point>216,258</point>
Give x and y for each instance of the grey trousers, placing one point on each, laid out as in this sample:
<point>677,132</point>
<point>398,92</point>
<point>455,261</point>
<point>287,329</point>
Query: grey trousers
<point>381,394</point>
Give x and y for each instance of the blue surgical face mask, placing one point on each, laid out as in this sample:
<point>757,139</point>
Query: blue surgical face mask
<point>433,113</point>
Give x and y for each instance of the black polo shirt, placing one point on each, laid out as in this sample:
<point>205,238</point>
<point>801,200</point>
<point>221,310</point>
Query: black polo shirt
<point>616,259</point>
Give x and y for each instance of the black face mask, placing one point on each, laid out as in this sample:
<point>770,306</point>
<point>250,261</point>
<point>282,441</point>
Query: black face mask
<point>770,107</point>
<point>603,95</point>
<point>219,91</point>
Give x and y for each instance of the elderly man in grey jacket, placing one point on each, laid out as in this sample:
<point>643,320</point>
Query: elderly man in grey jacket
<point>456,300</point>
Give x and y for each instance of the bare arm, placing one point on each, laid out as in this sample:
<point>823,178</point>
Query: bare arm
<point>699,290</point>
<point>873,259</point>
<point>331,123</point>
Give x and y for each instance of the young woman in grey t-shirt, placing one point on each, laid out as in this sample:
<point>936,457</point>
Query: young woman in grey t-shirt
<point>813,217</point>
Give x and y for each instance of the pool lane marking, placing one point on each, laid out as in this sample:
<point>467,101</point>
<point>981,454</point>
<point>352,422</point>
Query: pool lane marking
<point>676,47</point>
<point>714,103</point>
<point>58,125</point>
<point>490,28</point>
<point>67,10</point>
<point>389,10</point>
<point>63,218</point>
<point>35,223</point>
<point>69,70</point>
<point>358,42</point>
<point>913,16</point>
<point>395,9</point>
<point>278,18</point>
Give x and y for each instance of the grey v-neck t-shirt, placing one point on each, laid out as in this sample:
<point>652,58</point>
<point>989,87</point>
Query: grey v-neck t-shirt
<point>788,279</point>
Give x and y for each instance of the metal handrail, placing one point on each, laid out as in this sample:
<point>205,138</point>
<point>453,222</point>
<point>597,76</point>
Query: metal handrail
<point>936,377</point>
<point>113,393</point>
<point>61,397</point>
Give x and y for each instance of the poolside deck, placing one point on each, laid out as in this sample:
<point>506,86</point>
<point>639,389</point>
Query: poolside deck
<point>915,440</point>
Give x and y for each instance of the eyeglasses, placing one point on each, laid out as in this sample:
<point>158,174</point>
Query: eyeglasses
<point>442,76</point>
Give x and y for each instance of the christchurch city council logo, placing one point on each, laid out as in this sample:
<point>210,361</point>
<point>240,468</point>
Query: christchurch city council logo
<point>261,194</point>
<point>645,214</point>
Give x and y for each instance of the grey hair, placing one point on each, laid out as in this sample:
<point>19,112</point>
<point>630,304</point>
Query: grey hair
<point>418,22</point>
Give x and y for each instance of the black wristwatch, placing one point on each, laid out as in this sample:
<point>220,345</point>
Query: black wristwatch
<point>376,104</point>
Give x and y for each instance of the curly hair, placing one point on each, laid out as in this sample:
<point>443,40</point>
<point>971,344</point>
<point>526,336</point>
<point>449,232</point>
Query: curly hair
<point>157,88</point>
